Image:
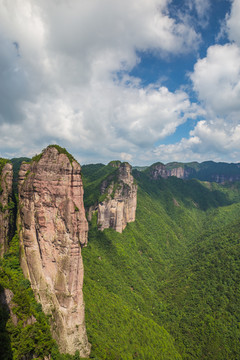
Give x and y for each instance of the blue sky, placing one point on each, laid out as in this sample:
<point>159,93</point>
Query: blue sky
<point>139,80</point>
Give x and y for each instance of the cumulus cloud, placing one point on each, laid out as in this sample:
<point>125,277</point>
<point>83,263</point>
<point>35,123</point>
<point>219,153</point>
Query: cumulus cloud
<point>233,23</point>
<point>66,78</point>
<point>216,81</point>
<point>208,141</point>
<point>64,68</point>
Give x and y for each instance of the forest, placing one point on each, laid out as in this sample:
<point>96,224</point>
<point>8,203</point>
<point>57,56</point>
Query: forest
<point>166,288</point>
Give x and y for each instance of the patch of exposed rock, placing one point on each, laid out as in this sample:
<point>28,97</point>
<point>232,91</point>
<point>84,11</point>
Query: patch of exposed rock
<point>53,228</point>
<point>160,170</point>
<point>6,179</point>
<point>119,205</point>
<point>206,171</point>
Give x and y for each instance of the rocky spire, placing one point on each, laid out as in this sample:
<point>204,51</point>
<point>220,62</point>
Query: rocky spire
<point>119,205</point>
<point>53,228</point>
<point>6,179</point>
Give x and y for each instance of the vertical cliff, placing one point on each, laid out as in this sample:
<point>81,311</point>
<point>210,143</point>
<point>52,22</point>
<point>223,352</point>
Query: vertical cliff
<point>205,171</point>
<point>120,199</point>
<point>53,228</point>
<point>6,205</point>
<point>173,169</point>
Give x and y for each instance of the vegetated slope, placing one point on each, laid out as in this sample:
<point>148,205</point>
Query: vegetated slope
<point>93,176</point>
<point>166,287</point>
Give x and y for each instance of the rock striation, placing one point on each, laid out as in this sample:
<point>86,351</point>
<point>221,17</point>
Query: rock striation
<point>53,228</point>
<point>160,170</point>
<point>6,180</point>
<point>119,206</point>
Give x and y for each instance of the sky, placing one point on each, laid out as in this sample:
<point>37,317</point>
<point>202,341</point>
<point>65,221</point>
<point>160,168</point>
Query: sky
<point>136,80</point>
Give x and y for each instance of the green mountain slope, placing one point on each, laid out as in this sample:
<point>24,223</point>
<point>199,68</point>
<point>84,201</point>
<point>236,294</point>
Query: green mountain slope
<point>167,287</point>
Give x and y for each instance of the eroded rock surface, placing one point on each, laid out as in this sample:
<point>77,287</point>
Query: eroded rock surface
<point>6,179</point>
<point>160,170</point>
<point>119,206</point>
<point>206,171</point>
<point>53,228</point>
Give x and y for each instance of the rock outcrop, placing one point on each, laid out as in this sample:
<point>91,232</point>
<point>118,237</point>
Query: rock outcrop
<point>205,171</point>
<point>53,228</point>
<point>119,206</point>
<point>6,179</point>
<point>160,170</point>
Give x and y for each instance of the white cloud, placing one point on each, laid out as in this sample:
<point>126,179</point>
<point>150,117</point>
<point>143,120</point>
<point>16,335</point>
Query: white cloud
<point>72,68</point>
<point>202,8</point>
<point>216,79</point>
<point>206,142</point>
<point>68,82</point>
<point>233,23</point>
<point>126,157</point>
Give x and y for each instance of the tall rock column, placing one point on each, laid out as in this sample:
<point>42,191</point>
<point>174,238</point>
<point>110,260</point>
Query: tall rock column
<point>119,207</point>
<point>6,179</point>
<point>53,228</point>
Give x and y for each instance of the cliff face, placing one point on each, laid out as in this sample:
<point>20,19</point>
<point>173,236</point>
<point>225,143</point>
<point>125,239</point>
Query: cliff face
<point>53,228</point>
<point>119,205</point>
<point>206,171</point>
<point>160,170</point>
<point>6,179</point>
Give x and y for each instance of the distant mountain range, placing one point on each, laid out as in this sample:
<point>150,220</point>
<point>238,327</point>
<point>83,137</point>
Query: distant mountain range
<point>219,172</point>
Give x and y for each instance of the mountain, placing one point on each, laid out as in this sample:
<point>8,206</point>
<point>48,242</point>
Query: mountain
<point>53,228</point>
<point>175,269</point>
<point>117,200</point>
<point>161,265</point>
<point>206,171</point>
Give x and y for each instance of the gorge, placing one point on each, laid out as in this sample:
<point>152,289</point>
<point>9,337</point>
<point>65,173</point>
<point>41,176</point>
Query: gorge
<point>152,239</point>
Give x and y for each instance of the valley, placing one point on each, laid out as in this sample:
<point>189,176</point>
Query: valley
<point>164,287</point>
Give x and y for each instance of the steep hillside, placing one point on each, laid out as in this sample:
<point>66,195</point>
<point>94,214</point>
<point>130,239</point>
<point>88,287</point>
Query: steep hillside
<point>167,287</point>
<point>172,269</point>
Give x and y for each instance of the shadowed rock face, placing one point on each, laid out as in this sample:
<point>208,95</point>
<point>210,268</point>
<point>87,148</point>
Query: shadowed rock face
<point>6,179</point>
<point>119,207</point>
<point>53,228</point>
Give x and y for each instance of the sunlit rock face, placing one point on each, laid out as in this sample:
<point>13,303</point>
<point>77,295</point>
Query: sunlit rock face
<point>53,228</point>
<point>160,170</point>
<point>6,180</point>
<point>206,171</point>
<point>119,206</point>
